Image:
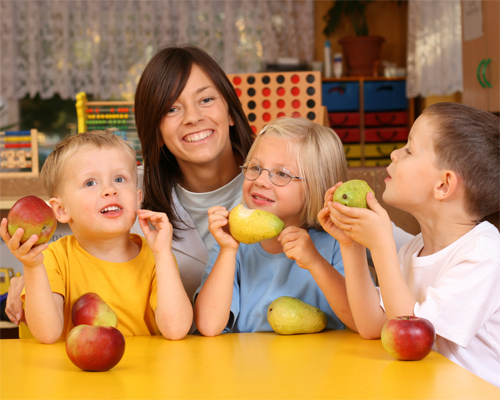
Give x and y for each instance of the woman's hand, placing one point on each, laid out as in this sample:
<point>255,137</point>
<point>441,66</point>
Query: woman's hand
<point>160,238</point>
<point>218,225</point>
<point>31,256</point>
<point>327,217</point>
<point>14,306</point>
<point>298,246</point>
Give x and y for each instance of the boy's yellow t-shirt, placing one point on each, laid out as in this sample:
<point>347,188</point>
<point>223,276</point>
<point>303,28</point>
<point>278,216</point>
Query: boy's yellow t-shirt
<point>128,288</point>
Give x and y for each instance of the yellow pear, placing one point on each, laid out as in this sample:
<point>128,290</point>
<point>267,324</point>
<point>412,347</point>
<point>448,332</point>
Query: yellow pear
<point>289,315</point>
<point>252,226</point>
<point>352,193</point>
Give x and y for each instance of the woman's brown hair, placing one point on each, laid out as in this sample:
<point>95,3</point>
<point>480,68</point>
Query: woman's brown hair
<point>161,83</point>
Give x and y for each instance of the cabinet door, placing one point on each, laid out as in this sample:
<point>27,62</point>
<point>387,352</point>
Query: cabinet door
<point>492,18</point>
<point>475,52</point>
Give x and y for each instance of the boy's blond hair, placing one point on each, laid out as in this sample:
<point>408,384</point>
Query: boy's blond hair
<point>54,167</point>
<point>320,157</point>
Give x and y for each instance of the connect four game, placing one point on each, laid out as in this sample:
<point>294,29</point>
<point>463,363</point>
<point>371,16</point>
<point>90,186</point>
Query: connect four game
<point>19,154</point>
<point>266,96</point>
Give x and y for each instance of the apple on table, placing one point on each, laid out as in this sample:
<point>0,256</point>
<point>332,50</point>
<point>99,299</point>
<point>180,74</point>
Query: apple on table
<point>95,348</point>
<point>94,344</point>
<point>408,338</point>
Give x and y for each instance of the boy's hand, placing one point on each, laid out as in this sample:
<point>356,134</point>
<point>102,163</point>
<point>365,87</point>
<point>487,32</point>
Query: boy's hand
<point>30,256</point>
<point>298,246</point>
<point>372,228</point>
<point>218,226</point>
<point>326,221</point>
<point>159,239</point>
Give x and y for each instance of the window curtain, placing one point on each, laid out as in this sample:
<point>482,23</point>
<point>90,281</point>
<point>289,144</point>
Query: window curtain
<point>434,55</point>
<point>102,46</point>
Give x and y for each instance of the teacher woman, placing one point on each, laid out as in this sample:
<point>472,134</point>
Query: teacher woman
<point>194,137</point>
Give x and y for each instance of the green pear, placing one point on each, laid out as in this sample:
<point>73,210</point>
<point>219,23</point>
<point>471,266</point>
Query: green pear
<point>289,315</point>
<point>352,193</point>
<point>252,226</point>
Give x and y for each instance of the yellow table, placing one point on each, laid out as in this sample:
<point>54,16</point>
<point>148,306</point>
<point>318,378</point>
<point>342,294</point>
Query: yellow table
<point>327,365</point>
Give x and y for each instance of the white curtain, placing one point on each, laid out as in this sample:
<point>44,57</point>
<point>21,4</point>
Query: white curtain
<point>434,55</point>
<point>102,46</point>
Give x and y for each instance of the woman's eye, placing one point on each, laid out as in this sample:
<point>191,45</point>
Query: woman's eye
<point>90,183</point>
<point>207,100</point>
<point>407,150</point>
<point>254,168</point>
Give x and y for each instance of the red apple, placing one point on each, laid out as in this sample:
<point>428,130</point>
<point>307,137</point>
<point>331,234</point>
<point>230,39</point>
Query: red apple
<point>95,348</point>
<point>90,309</point>
<point>408,338</point>
<point>35,216</point>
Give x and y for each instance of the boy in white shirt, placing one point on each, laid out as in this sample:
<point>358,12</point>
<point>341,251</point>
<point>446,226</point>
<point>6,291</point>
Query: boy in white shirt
<point>448,178</point>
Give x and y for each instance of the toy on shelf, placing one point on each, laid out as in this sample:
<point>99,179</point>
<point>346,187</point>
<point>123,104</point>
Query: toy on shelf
<point>266,96</point>
<point>100,115</point>
<point>19,154</point>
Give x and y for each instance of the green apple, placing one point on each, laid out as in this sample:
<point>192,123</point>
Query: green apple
<point>352,193</point>
<point>90,309</point>
<point>289,315</point>
<point>34,216</point>
<point>95,348</point>
<point>253,226</point>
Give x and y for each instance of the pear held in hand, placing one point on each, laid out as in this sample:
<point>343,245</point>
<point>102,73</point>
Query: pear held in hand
<point>253,226</point>
<point>289,316</point>
<point>352,193</point>
<point>90,309</point>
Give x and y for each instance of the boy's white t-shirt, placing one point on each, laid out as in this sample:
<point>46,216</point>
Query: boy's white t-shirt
<point>458,290</point>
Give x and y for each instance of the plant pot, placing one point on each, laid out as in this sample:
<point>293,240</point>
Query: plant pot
<point>362,54</point>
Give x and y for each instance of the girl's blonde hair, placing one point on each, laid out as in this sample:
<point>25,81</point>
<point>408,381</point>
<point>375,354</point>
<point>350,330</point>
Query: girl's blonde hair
<point>54,166</point>
<point>320,159</point>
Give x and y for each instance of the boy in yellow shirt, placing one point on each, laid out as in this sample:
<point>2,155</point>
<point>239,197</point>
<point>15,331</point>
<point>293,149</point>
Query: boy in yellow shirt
<point>92,181</point>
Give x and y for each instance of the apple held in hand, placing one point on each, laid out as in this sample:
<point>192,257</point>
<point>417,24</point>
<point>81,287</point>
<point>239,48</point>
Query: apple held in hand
<point>408,338</point>
<point>33,215</point>
<point>95,348</point>
<point>90,309</point>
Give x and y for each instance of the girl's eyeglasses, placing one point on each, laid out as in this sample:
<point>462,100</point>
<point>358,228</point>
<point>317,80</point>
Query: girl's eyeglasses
<point>278,176</point>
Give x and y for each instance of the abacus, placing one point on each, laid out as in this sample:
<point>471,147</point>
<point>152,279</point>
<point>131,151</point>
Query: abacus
<point>19,154</point>
<point>100,115</point>
<point>266,96</point>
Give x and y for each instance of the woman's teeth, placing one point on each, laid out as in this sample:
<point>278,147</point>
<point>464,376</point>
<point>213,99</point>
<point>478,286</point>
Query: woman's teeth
<point>112,208</point>
<point>195,137</point>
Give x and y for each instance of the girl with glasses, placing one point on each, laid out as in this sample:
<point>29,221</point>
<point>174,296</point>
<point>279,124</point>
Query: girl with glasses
<point>287,171</point>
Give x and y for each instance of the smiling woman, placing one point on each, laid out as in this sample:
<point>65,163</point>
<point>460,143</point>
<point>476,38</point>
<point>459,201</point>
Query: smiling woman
<point>194,136</point>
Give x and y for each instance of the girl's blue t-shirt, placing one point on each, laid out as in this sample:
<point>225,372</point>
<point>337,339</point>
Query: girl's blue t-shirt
<point>260,278</point>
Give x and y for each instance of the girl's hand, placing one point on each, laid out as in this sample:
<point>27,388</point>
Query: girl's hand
<point>298,246</point>
<point>160,238</point>
<point>30,256</point>
<point>327,219</point>
<point>218,225</point>
<point>371,228</point>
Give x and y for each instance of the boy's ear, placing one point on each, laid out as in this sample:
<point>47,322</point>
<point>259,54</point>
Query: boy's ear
<point>139,197</point>
<point>59,210</point>
<point>447,186</point>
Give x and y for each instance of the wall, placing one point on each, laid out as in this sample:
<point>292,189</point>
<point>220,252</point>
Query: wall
<point>386,18</point>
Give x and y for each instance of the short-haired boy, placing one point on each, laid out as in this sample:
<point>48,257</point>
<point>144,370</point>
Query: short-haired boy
<point>92,181</point>
<point>448,178</point>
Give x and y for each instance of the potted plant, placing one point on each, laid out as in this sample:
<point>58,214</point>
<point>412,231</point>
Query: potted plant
<point>361,52</point>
